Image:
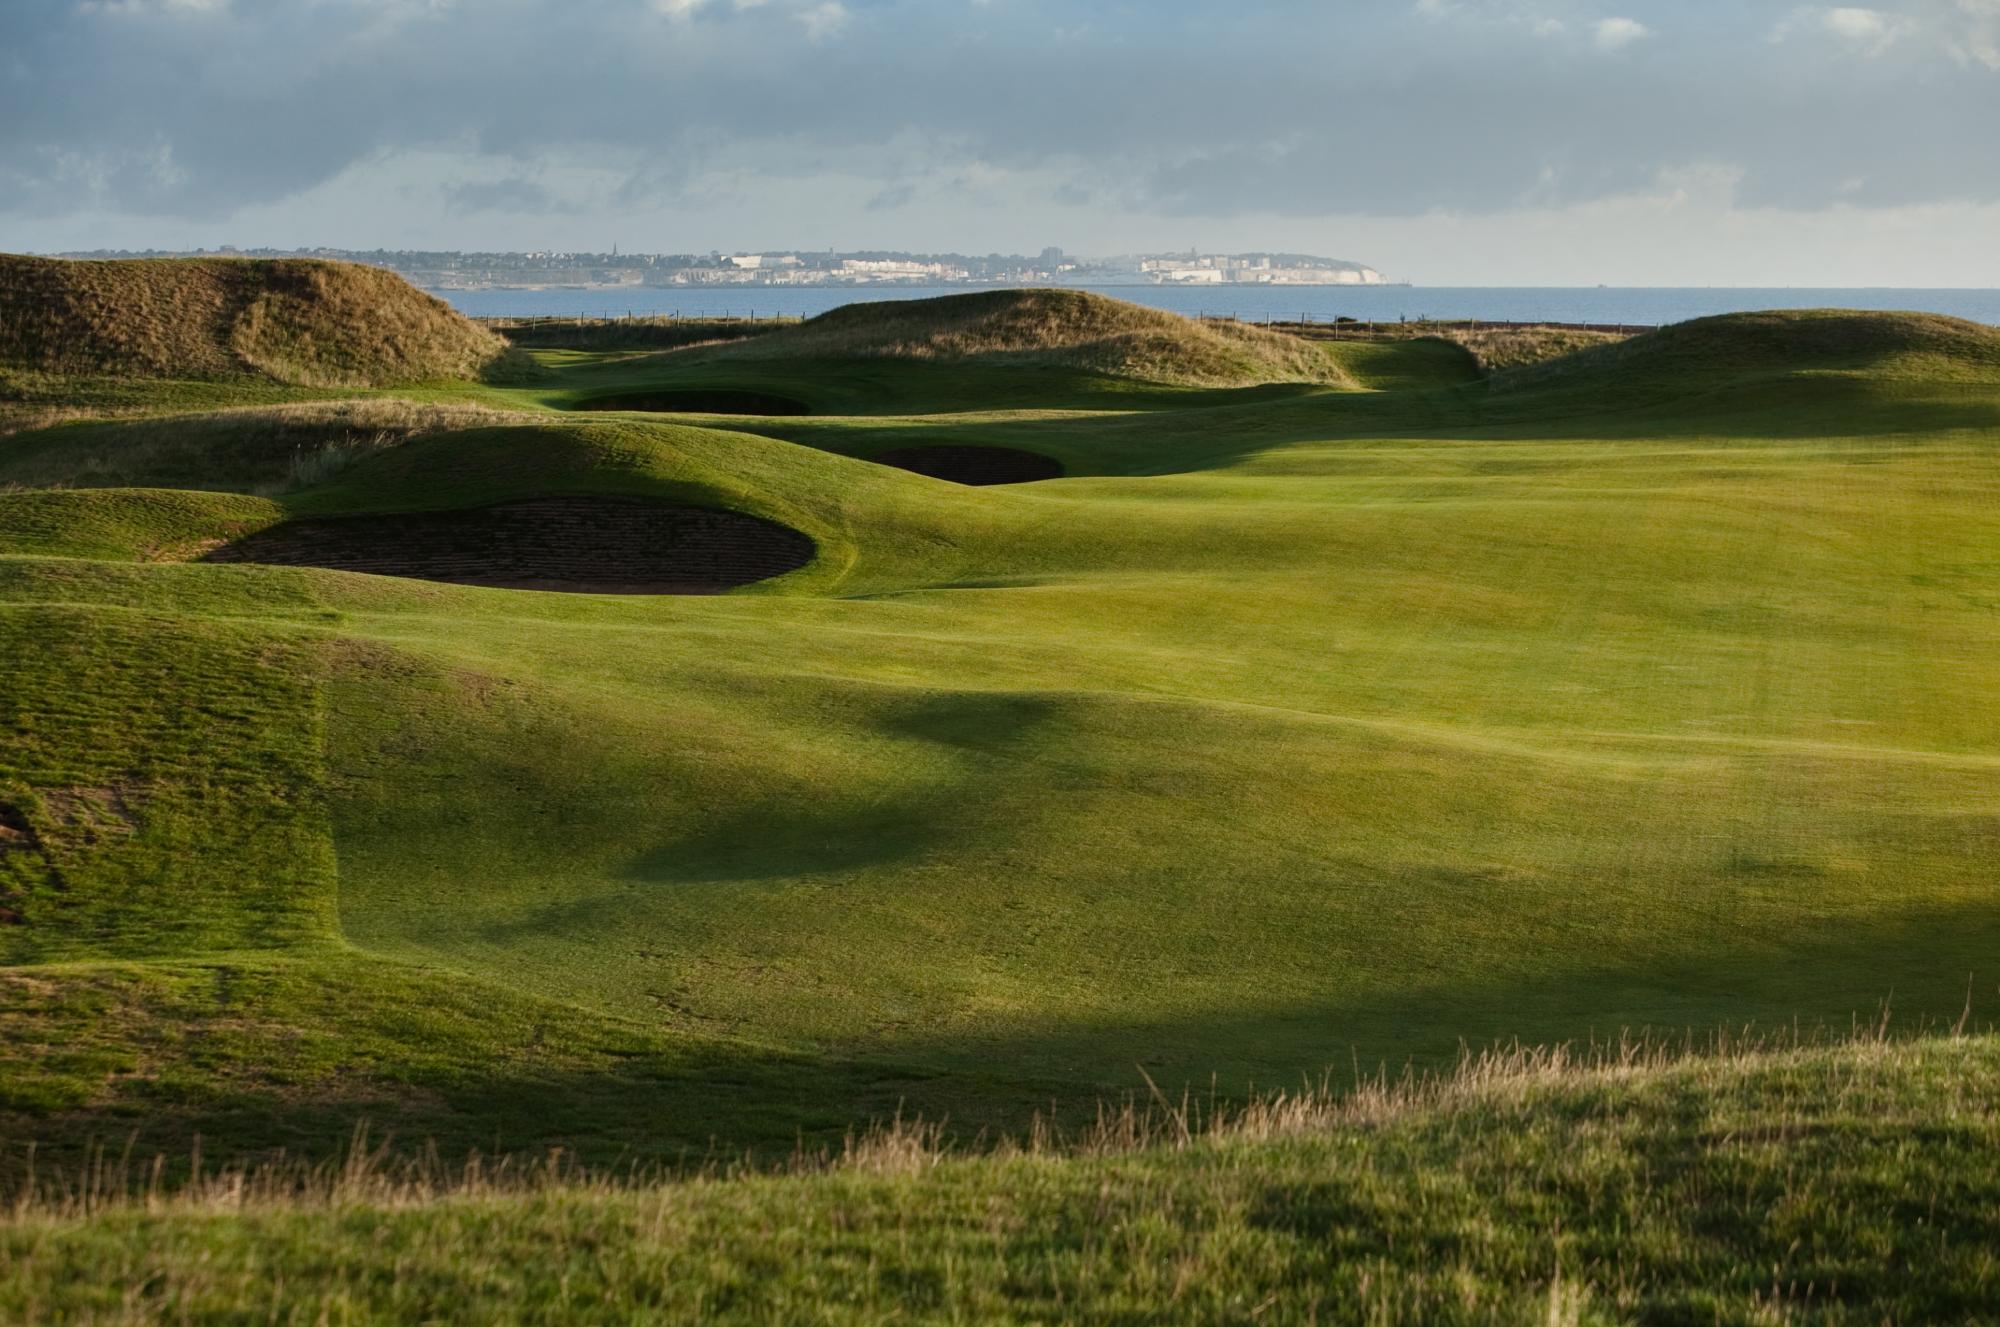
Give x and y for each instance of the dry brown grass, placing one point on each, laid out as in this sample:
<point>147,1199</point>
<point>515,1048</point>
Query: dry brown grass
<point>1707,351</point>
<point>1494,348</point>
<point>294,321</point>
<point>1517,347</point>
<point>1052,328</point>
<point>1501,1079</point>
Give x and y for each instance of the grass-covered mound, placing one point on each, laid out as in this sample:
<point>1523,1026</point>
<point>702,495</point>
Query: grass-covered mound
<point>1737,346</point>
<point>293,321</point>
<point>1852,1184</point>
<point>1069,329</point>
<point>260,449</point>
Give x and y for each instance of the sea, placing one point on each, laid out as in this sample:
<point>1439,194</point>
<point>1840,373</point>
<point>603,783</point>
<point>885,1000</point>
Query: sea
<point>1618,305</point>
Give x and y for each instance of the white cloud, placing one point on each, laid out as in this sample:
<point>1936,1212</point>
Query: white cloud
<point>1615,34</point>
<point>823,20</point>
<point>154,6</point>
<point>1857,24</point>
<point>1871,31</point>
<point>1978,39</point>
<point>819,19</point>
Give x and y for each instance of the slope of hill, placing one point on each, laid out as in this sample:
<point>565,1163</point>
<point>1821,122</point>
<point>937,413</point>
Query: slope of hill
<point>292,321</point>
<point>1747,345</point>
<point>1289,728</point>
<point>1055,328</point>
<point>1849,1184</point>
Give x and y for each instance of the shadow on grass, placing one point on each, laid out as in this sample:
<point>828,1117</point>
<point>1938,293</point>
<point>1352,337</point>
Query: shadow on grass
<point>294,1055</point>
<point>1216,435</point>
<point>805,837</point>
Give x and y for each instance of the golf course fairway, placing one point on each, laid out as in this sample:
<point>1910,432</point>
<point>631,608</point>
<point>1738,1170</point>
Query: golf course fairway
<point>1307,723</point>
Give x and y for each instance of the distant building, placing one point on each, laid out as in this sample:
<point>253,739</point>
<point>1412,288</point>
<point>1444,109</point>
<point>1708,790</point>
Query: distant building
<point>1261,269</point>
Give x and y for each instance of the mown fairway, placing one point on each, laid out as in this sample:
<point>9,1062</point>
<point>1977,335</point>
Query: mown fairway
<point>1296,726</point>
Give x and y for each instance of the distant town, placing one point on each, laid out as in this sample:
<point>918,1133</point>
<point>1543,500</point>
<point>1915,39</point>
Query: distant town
<point>610,271</point>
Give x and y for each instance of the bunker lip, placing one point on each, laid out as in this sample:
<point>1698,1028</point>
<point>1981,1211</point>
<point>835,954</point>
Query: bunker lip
<point>574,544</point>
<point>976,466</point>
<point>699,401</point>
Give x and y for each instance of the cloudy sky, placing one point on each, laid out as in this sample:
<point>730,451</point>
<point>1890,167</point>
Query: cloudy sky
<point>1494,142</point>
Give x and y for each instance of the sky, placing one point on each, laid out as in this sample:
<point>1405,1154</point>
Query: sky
<point>1445,142</point>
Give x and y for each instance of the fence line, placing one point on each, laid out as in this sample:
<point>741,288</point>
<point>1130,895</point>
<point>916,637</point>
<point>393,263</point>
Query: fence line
<point>1372,325</point>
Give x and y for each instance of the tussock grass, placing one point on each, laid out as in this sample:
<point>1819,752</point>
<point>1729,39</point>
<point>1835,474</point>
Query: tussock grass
<point>1051,328</point>
<point>1493,349</point>
<point>1500,349</point>
<point>293,321</point>
<point>375,1171</point>
<point>1844,1183</point>
<point>1740,345</point>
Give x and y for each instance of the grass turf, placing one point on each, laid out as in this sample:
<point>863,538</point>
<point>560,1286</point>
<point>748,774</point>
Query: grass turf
<point>1300,726</point>
<point>1842,1185</point>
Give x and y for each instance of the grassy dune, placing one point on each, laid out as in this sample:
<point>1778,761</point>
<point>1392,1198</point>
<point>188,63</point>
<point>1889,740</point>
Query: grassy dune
<point>1341,720</point>
<point>1052,329</point>
<point>294,321</point>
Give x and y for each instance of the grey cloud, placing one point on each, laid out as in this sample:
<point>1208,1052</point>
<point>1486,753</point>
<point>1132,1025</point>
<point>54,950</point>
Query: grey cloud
<point>515,195</point>
<point>891,198</point>
<point>1186,108</point>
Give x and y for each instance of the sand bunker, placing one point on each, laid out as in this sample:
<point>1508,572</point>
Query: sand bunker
<point>699,402</point>
<point>973,465</point>
<point>586,545</point>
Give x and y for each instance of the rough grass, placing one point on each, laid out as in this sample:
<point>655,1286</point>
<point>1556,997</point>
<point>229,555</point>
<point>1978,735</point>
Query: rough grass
<point>1734,346</point>
<point>292,321</point>
<point>259,449</point>
<point>1833,1185</point>
<point>1493,349</point>
<point>1499,349</point>
<point>1051,328</point>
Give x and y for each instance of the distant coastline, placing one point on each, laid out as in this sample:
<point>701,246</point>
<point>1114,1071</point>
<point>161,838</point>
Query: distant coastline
<point>925,286</point>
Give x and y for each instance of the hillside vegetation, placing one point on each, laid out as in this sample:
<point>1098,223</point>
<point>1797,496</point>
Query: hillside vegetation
<point>293,321</point>
<point>1839,1185</point>
<point>1739,345</point>
<point>1289,728</point>
<point>1054,328</point>
<point>245,448</point>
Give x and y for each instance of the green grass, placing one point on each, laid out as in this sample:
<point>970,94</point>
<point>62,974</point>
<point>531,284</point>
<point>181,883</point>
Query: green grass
<point>1836,1185</point>
<point>1301,727</point>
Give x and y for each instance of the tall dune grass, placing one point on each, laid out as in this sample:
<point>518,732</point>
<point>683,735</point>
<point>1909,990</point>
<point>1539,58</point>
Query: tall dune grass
<point>1776,1181</point>
<point>292,321</point>
<point>1053,328</point>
